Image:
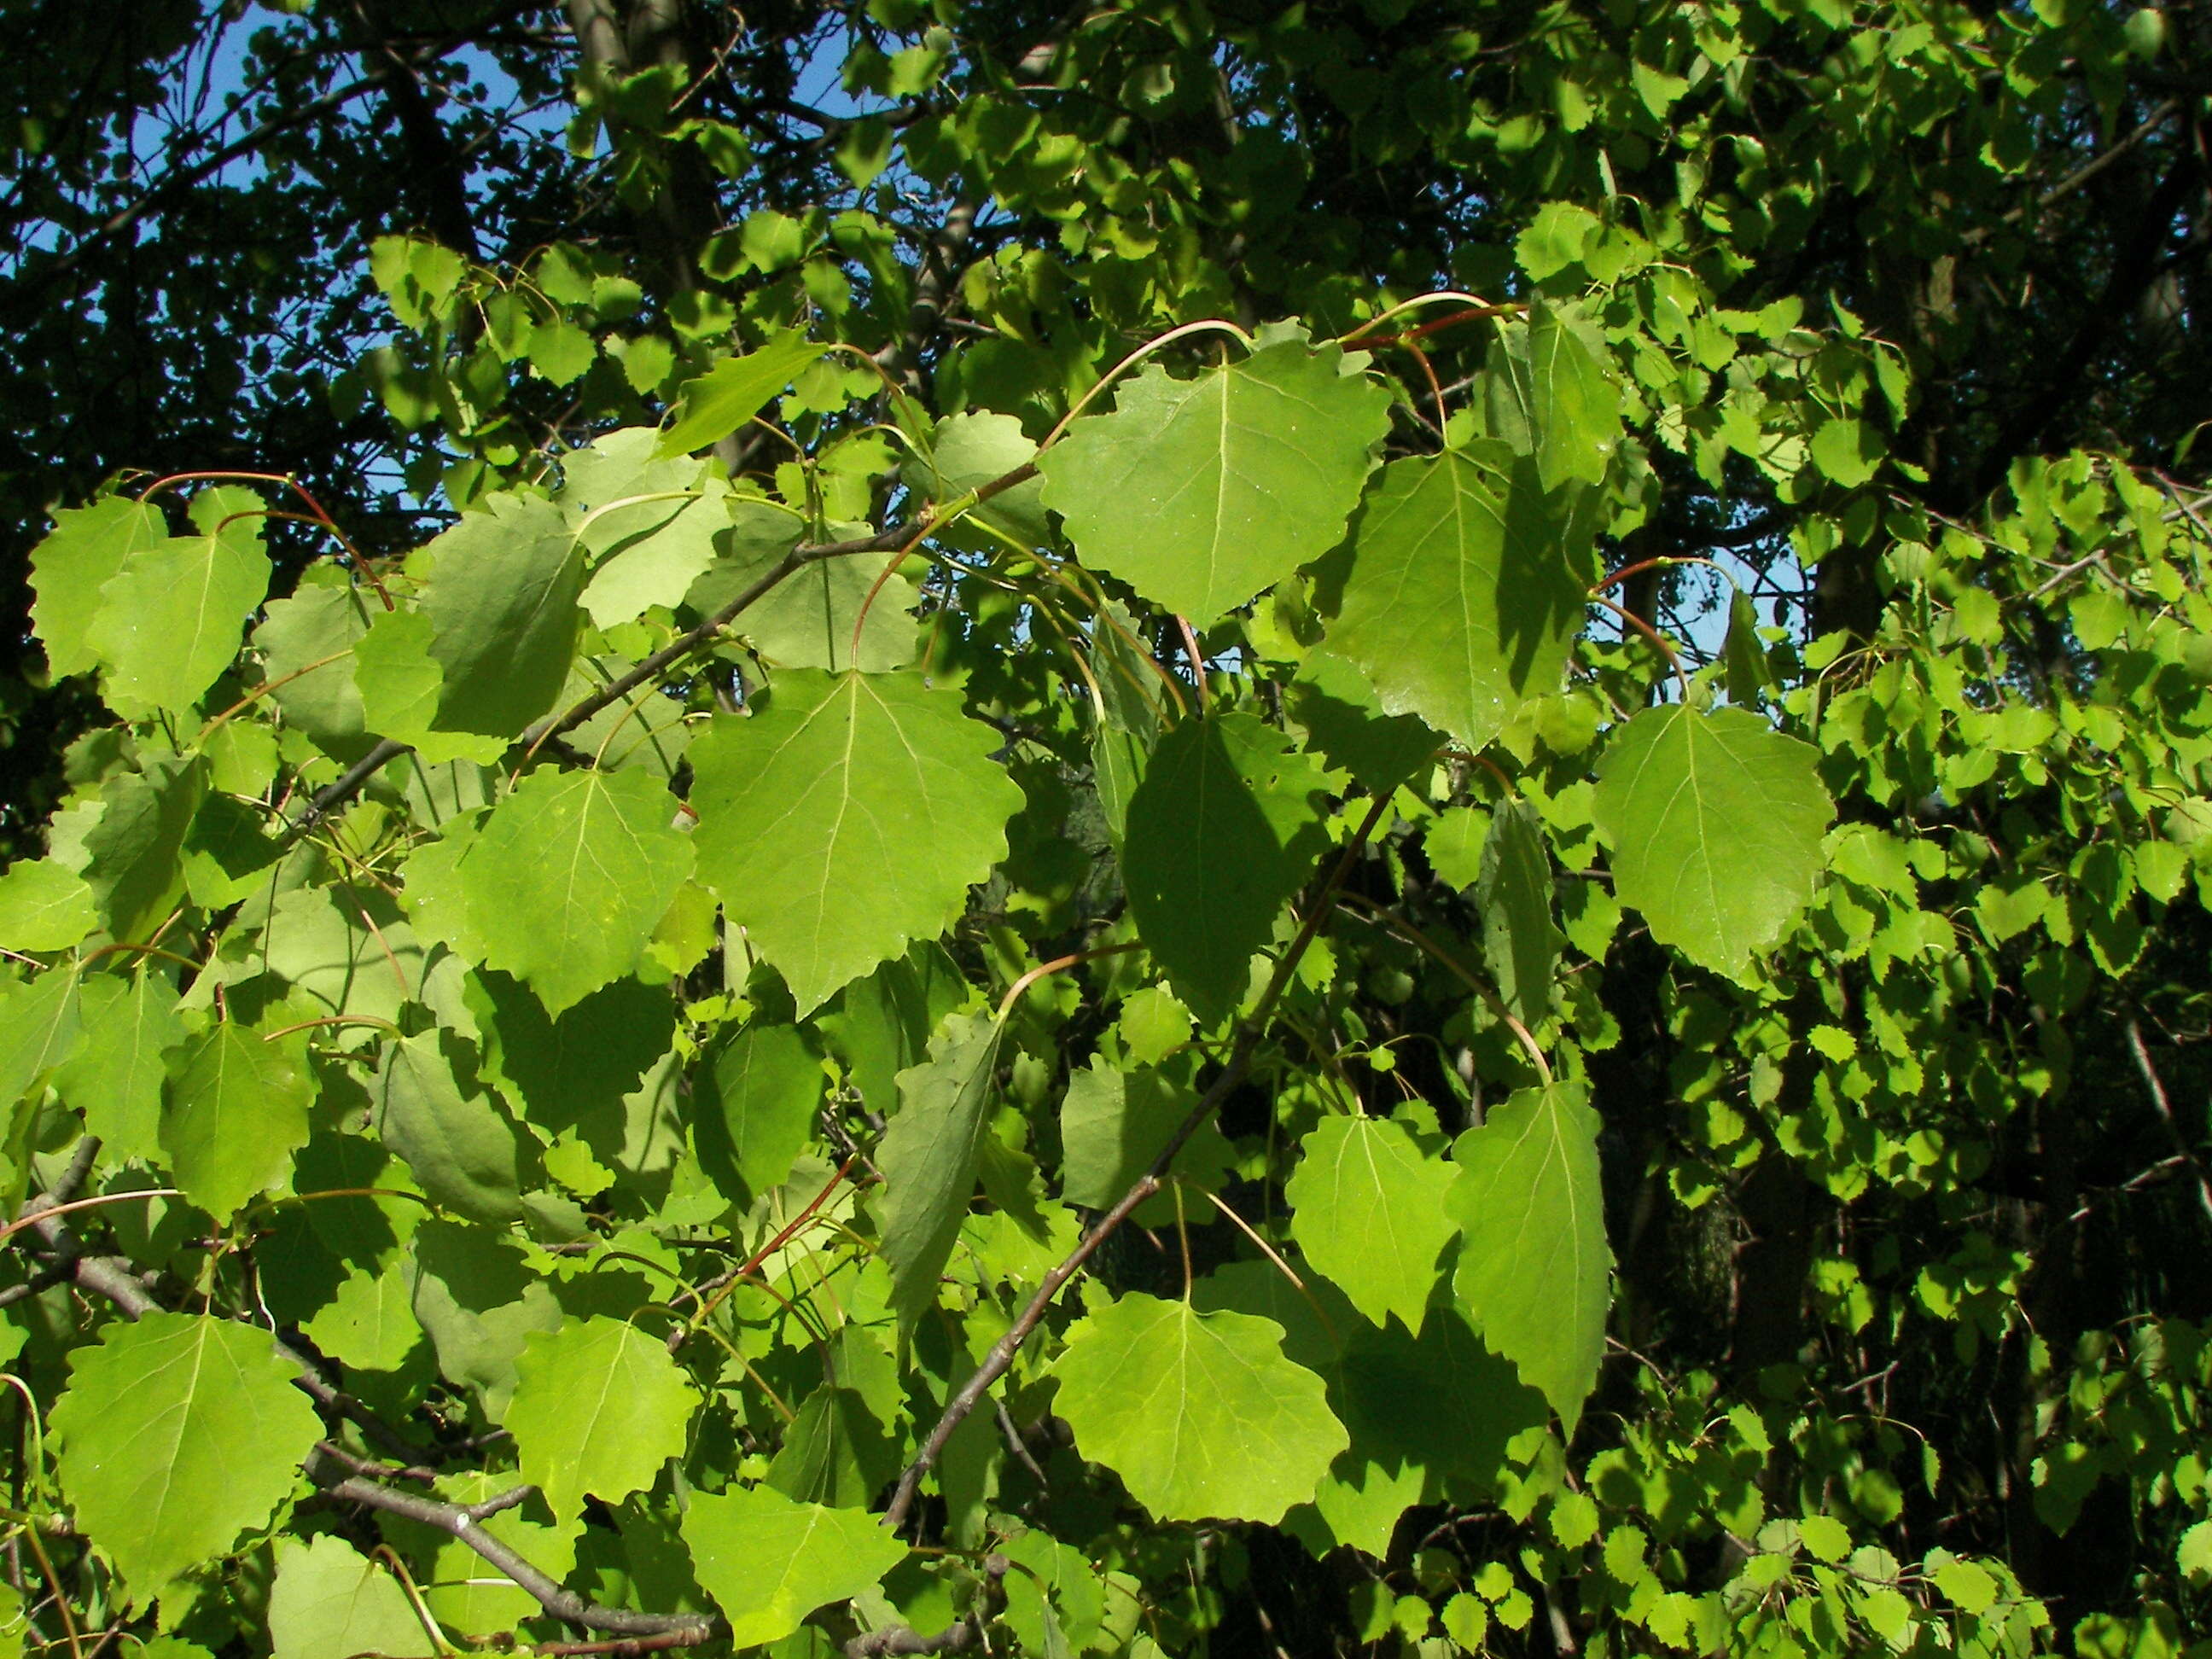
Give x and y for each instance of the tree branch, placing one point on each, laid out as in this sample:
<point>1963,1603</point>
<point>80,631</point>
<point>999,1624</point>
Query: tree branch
<point>461,1521</point>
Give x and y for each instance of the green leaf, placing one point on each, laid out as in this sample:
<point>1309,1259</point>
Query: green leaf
<point>847,817</point>
<point>1971,1587</point>
<point>1715,822</point>
<point>763,1092</point>
<point>1554,240</point>
<point>1464,589</point>
<point>712,405</point>
<point>1454,839</point>
<point>1222,832</point>
<point>1367,1208</point>
<point>1533,1260</point>
<point>647,552</point>
<point>179,1433</point>
<point>135,853</point>
<point>880,1025</point>
<point>461,1147</point>
<point>834,1452</point>
<point>1200,493</point>
<point>1520,941</point>
<point>318,622</point>
<point>768,1561</point>
<point>1848,451</point>
<point>170,619</point>
<point>236,1111</point>
<point>401,685</point>
<point>44,906</point>
<point>598,1408</point>
<point>369,1324</point>
<point>1441,1404</point>
<point>969,451</point>
<point>330,1598</point>
<point>1199,1414</point>
<point>40,1029</point>
<point>1562,374</point>
<point>1744,653</point>
<point>568,876</point>
<point>87,549</point>
<point>806,621</point>
<point>1334,701</point>
<point>928,1156</point>
<point>116,1079</point>
<point>2193,1554</point>
<point>1114,1123</point>
<point>479,1300</point>
<point>502,599</point>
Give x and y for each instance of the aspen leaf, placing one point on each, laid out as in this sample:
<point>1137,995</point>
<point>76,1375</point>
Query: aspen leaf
<point>1200,493</point>
<point>1533,1262</point>
<point>568,876</point>
<point>234,1112</point>
<point>1462,589</point>
<point>845,819</point>
<point>1716,823</point>
<point>928,1156</point>
<point>1199,1414</point>
<point>1367,1208</point>
<point>770,1560</point>
<point>86,548</point>
<point>179,1433</point>
<point>1222,830</point>
<point>330,1598</point>
<point>502,599</point>
<point>597,1407</point>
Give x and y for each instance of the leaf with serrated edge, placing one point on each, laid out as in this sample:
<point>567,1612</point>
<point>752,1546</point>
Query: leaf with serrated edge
<point>1715,823</point>
<point>1199,1414</point>
<point>1200,493</point>
<point>170,619</point>
<point>179,1433</point>
<point>928,1156</point>
<point>235,1111</point>
<point>330,1598</point>
<point>85,550</point>
<point>319,621</point>
<point>1221,833</point>
<point>370,1324</point>
<point>502,599</point>
<point>44,906</point>
<point>1520,942</point>
<point>770,1561</point>
<point>135,850</point>
<point>712,405</point>
<point>1463,590</point>
<point>1533,1262</point>
<point>461,1146</point>
<point>767,1082</point>
<point>568,876</point>
<point>597,1407</point>
<point>40,1029</point>
<point>848,817</point>
<point>115,1079</point>
<point>1367,1209</point>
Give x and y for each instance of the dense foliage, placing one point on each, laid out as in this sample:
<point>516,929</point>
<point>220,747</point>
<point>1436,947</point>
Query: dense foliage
<point>1161,830</point>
